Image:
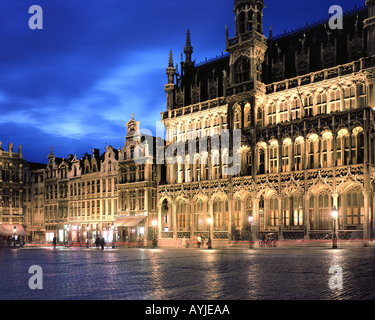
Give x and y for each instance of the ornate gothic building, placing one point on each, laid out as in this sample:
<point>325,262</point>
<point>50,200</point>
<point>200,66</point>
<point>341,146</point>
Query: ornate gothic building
<point>303,103</point>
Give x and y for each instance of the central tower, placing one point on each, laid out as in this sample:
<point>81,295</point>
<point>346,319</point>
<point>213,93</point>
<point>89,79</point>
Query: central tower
<point>247,49</point>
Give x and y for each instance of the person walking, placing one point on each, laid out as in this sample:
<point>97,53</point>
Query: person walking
<point>97,242</point>
<point>199,240</point>
<point>102,243</point>
<point>54,243</point>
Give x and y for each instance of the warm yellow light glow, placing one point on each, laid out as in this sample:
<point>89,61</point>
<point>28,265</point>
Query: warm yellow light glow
<point>154,223</point>
<point>210,220</point>
<point>335,213</point>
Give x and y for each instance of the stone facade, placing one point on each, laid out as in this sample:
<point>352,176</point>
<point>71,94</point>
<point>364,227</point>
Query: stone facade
<point>303,103</point>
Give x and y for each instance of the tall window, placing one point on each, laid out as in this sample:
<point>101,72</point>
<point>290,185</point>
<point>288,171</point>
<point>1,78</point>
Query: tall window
<point>272,113</point>
<point>283,111</point>
<point>309,103</point>
<point>321,103</point>
<point>285,158</point>
<point>259,117</point>
<point>273,159</point>
<point>262,161</point>
<point>324,153</point>
<point>323,212</point>
<point>298,156</point>
<point>297,210</point>
<point>286,211</point>
<point>354,208</point>
<point>198,210</point>
<point>349,97</point>
<point>181,214</point>
<point>261,213</point>
<point>217,210</point>
<point>274,212</point>
<point>141,199</point>
<point>335,100</point>
<point>237,212</point>
<point>295,109</point>
<point>242,70</point>
<point>312,152</point>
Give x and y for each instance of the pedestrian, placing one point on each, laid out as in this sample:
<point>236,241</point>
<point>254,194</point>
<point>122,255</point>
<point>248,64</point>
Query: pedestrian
<point>199,240</point>
<point>184,242</point>
<point>54,242</point>
<point>102,243</point>
<point>97,242</point>
<point>263,239</point>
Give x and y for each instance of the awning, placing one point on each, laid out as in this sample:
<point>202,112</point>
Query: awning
<point>128,221</point>
<point>8,230</point>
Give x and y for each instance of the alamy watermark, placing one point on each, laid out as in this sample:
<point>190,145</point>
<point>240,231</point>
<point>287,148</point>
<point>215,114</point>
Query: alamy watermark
<point>36,280</point>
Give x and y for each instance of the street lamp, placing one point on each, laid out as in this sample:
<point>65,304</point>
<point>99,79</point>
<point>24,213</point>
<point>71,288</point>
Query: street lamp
<point>250,232</point>
<point>87,229</point>
<point>14,236</point>
<point>334,238</point>
<point>209,243</point>
<point>154,223</point>
<point>113,236</point>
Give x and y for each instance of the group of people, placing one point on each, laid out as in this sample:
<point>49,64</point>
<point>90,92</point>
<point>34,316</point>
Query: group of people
<point>267,240</point>
<point>99,242</point>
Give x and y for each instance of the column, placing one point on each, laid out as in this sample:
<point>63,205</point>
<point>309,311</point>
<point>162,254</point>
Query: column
<point>174,219</point>
<point>306,221</point>
<point>159,221</point>
<point>191,220</point>
<point>281,218</point>
<point>366,218</point>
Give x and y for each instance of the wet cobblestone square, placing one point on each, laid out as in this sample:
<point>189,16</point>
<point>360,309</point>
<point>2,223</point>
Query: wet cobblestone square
<point>189,274</point>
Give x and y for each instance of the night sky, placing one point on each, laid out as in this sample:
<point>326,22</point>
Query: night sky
<point>75,84</point>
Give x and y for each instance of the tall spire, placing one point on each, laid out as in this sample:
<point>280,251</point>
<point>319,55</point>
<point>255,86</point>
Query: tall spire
<point>170,64</point>
<point>188,50</point>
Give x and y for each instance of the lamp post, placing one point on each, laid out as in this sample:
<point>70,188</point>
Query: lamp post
<point>154,223</point>
<point>88,229</point>
<point>113,236</point>
<point>209,243</point>
<point>250,232</point>
<point>14,236</point>
<point>334,237</point>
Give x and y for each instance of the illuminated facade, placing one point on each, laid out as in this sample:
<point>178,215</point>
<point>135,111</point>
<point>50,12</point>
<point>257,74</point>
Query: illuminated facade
<point>304,104</point>
<point>11,188</point>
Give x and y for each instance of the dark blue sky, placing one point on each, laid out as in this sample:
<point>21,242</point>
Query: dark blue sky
<point>76,83</point>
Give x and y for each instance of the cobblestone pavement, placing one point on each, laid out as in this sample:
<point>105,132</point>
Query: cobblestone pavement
<point>187,274</point>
